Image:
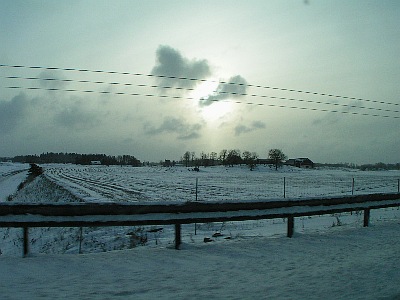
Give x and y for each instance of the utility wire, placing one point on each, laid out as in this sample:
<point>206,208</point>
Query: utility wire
<point>97,82</point>
<point>203,99</point>
<point>196,79</point>
<point>192,89</point>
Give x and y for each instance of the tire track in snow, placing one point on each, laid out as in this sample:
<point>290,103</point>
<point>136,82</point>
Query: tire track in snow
<point>7,175</point>
<point>109,191</point>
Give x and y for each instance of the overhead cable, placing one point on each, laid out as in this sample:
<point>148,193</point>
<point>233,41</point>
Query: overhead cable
<point>192,89</point>
<point>197,79</point>
<point>205,99</point>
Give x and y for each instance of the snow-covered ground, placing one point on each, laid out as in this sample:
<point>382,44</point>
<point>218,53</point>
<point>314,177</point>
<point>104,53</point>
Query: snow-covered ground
<point>11,175</point>
<point>178,184</point>
<point>330,256</point>
<point>350,263</point>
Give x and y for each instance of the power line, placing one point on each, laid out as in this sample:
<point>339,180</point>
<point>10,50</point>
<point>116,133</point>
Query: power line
<point>197,79</point>
<point>213,100</point>
<point>98,82</point>
<point>192,89</point>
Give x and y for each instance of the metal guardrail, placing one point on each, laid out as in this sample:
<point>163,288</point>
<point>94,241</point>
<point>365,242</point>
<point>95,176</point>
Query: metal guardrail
<point>113,214</point>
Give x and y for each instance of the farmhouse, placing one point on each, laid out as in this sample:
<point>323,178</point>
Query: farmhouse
<point>300,163</point>
<point>95,162</point>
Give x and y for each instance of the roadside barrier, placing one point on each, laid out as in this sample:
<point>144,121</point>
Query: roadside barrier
<point>112,214</point>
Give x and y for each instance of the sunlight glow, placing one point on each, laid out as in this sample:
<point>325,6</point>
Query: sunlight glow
<point>214,111</point>
<point>204,89</point>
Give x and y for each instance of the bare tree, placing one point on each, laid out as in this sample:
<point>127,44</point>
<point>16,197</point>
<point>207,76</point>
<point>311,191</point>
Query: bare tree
<point>233,157</point>
<point>204,159</point>
<point>277,156</point>
<point>213,157</point>
<point>250,159</point>
<point>222,156</point>
<point>193,156</point>
<point>186,158</point>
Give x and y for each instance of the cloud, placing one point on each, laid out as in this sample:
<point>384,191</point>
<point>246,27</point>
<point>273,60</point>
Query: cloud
<point>339,112</point>
<point>12,112</point>
<point>235,87</point>
<point>184,130</point>
<point>76,117</point>
<point>240,129</point>
<point>170,62</point>
<point>52,80</point>
<point>258,125</point>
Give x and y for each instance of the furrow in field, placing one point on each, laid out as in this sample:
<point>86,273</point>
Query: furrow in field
<point>112,192</point>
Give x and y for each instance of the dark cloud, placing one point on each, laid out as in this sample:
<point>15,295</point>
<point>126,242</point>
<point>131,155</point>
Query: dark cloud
<point>12,112</point>
<point>170,62</point>
<point>76,115</point>
<point>190,136</point>
<point>235,87</point>
<point>240,129</point>
<point>258,125</point>
<point>183,129</point>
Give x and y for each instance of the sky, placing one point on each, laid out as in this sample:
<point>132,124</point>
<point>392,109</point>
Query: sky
<point>267,73</point>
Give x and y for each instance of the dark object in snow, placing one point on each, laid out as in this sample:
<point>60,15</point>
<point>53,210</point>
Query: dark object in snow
<point>196,169</point>
<point>137,238</point>
<point>217,234</point>
<point>35,170</point>
<point>155,229</point>
<point>208,240</point>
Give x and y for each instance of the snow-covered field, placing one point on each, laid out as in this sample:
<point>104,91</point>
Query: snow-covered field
<point>178,184</point>
<point>330,256</point>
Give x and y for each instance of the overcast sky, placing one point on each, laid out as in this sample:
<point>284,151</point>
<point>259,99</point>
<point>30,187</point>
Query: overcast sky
<point>341,48</point>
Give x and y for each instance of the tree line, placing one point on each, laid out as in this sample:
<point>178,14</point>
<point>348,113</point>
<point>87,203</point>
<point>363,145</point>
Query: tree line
<point>79,159</point>
<point>380,166</point>
<point>232,157</point>
<point>189,159</point>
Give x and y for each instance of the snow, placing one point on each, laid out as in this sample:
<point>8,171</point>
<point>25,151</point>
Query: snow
<point>330,256</point>
<point>11,175</point>
<point>178,184</point>
<point>355,263</point>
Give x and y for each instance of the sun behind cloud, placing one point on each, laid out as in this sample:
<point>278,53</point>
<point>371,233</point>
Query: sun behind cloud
<point>215,110</point>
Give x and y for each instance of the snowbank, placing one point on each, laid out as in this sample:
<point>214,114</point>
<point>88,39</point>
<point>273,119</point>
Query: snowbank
<point>11,175</point>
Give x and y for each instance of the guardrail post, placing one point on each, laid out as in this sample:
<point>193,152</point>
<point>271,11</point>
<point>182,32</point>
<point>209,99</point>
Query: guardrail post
<point>80,240</point>
<point>177,236</point>
<point>284,187</point>
<point>197,185</point>
<point>26,240</point>
<point>366,216</point>
<point>290,226</point>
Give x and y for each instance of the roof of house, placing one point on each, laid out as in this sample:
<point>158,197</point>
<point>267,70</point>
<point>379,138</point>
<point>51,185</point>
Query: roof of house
<point>302,160</point>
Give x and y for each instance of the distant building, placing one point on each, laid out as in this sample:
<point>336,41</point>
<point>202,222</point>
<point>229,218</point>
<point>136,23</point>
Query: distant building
<point>300,163</point>
<point>265,161</point>
<point>167,163</point>
<point>95,162</point>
